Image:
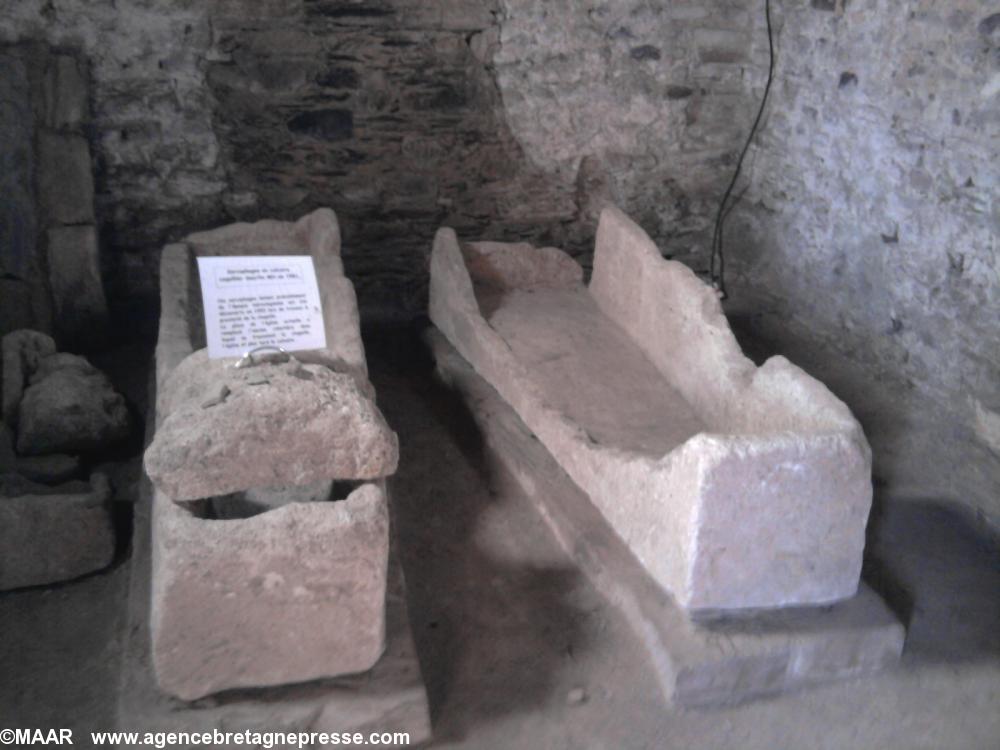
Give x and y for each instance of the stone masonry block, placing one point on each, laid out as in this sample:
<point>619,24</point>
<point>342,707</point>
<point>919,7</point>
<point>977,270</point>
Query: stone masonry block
<point>65,179</point>
<point>65,94</point>
<point>75,278</point>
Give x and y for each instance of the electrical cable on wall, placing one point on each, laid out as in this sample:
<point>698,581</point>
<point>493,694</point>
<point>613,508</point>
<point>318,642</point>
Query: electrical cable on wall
<point>719,278</point>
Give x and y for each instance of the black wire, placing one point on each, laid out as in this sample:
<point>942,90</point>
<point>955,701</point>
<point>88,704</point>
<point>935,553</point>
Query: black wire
<point>717,239</point>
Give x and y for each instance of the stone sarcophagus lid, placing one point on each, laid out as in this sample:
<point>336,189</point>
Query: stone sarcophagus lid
<point>270,526</point>
<point>736,486</point>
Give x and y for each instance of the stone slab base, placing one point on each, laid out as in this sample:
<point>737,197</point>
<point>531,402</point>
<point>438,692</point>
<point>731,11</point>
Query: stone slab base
<point>698,663</point>
<point>388,698</point>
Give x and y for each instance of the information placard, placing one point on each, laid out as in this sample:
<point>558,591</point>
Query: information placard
<point>253,301</point>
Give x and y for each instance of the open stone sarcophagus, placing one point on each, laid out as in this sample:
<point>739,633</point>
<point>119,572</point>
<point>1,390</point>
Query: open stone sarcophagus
<point>716,503</point>
<point>270,526</point>
<point>737,487</point>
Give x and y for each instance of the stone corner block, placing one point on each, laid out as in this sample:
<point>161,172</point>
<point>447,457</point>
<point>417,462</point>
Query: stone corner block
<point>65,179</point>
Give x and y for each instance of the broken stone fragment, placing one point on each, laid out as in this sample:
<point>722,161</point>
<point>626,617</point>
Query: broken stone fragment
<point>50,534</point>
<point>218,397</point>
<point>22,351</point>
<point>72,409</point>
<point>306,424</point>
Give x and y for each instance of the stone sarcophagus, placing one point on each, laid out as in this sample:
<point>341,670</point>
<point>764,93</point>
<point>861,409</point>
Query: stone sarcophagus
<point>736,486</point>
<point>270,526</point>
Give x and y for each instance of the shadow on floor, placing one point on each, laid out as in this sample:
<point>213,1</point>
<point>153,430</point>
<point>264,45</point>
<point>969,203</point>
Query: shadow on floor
<point>940,572</point>
<point>492,619</point>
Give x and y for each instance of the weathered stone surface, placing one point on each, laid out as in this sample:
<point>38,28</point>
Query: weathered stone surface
<point>71,410</point>
<point>65,179</point>
<point>698,663</point>
<point>52,469</point>
<point>736,487</point>
<point>22,351</point>
<point>278,424</point>
<point>151,122</point>
<point>81,311</point>
<point>291,595</point>
<point>50,534</point>
<point>889,276</point>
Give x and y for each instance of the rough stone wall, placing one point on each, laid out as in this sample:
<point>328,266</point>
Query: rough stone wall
<point>155,150</point>
<point>510,119</point>
<point>872,218</point>
<point>643,103</point>
<point>386,111</point>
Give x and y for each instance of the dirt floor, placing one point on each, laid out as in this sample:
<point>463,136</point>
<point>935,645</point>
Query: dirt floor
<point>517,648</point>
